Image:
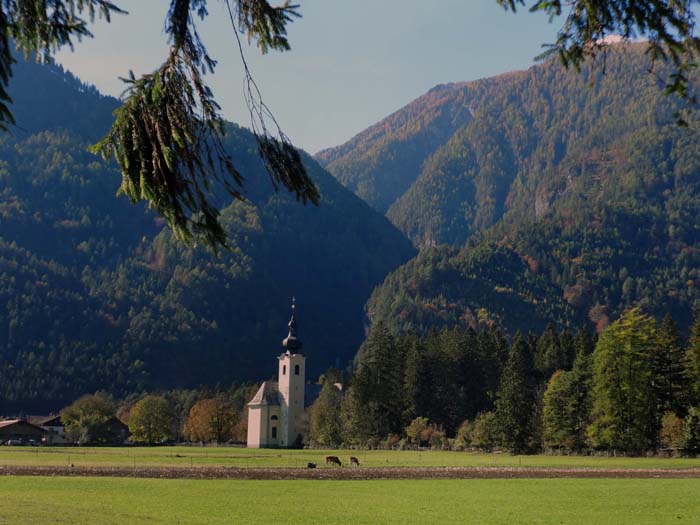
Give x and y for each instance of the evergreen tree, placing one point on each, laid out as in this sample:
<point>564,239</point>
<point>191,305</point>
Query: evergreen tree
<point>515,400</point>
<point>417,390</point>
<point>624,411</point>
<point>325,417</point>
<point>452,369</point>
<point>579,396</point>
<point>492,349</point>
<point>668,369</point>
<point>567,350</point>
<point>548,353</point>
<point>356,422</point>
<point>376,398</point>
<point>692,362</point>
<point>583,344</point>
<point>472,378</point>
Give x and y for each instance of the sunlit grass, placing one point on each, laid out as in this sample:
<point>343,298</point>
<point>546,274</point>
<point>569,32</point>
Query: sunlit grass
<point>117,500</point>
<point>242,457</point>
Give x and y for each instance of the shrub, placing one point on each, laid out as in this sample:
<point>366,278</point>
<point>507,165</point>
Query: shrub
<point>463,440</point>
<point>485,433</point>
<point>418,431</point>
<point>671,434</point>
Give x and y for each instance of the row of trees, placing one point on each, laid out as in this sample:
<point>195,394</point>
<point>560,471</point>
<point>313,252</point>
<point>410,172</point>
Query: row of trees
<point>192,415</point>
<point>633,389</point>
<point>447,377</point>
<point>639,390</point>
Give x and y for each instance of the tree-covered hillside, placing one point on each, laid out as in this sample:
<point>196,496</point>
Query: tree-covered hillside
<point>96,294</point>
<point>584,179</point>
<point>382,162</point>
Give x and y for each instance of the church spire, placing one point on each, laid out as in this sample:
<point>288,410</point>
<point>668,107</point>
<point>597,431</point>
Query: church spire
<point>291,343</point>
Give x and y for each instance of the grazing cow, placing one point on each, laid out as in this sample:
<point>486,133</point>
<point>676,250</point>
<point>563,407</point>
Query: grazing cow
<point>311,465</point>
<point>333,460</point>
<point>354,461</point>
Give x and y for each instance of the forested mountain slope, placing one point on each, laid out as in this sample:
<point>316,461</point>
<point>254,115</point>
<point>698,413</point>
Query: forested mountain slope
<point>513,145</point>
<point>581,180</point>
<point>95,294</point>
<point>382,162</point>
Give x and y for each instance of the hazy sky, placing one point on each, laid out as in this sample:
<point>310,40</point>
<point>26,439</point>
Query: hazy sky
<point>351,64</point>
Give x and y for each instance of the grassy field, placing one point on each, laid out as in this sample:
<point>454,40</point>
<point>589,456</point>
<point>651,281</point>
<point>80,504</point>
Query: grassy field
<point>111,500</point>
<point>241,457</point>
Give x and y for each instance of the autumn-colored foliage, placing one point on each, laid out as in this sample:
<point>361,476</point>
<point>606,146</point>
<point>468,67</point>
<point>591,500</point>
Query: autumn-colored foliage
<point>211,420</point>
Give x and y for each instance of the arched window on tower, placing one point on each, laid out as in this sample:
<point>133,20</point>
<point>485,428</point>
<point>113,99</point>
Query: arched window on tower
<point>296,370</point>
<point>274,418</point>
<point>284,370</point>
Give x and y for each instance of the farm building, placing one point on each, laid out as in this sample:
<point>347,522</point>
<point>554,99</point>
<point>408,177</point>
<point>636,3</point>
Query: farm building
<point>52,424</point>
<point>276,411</point>
<point>112,432</point>
<point>20,431</point>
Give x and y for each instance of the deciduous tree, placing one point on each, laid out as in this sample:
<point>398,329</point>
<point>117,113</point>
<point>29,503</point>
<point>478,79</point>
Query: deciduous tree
<point>82,419</point>
<point>671,435</point>
<point>485,434</point>
<point>151,420</point>
<point>558,426</point>
<point>624,408</point>
<point>211,420</point>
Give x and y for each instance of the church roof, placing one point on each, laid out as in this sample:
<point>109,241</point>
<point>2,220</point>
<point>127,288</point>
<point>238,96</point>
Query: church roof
<point>267,394</point>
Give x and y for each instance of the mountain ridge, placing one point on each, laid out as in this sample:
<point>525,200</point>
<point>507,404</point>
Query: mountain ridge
<point>583,178</point>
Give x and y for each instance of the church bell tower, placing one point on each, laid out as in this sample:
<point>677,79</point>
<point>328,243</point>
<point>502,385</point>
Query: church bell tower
<point>291,383</point>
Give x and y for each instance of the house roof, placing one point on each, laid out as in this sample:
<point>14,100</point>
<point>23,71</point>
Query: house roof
<point>114,423</point>
<point>267,394</point>
<point>52,420</point>
<point>10,422</point>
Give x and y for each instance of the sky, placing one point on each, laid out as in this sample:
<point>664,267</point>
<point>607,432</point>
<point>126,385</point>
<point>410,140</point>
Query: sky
<point>352,63</point>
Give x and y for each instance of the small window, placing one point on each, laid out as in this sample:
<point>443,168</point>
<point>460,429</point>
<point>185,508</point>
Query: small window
<point>274,418</point>
<point>274,432</point>
<point>284,370</point>
<point>296,370</point>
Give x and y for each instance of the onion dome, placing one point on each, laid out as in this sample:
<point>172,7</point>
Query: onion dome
<point>291,343</point>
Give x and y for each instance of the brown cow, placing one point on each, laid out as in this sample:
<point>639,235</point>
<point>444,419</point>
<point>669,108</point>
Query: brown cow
<point>333,460</point>
<point>354,461</point>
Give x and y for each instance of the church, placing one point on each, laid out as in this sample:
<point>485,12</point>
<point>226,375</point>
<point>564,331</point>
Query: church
<point>276,412</point>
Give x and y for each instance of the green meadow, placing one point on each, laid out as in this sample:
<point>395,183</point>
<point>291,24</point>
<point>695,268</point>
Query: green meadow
<point>122,500</point>
<point>242,457</point>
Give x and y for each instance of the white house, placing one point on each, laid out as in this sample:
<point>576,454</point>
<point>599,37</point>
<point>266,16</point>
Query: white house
<point>276,412</point>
